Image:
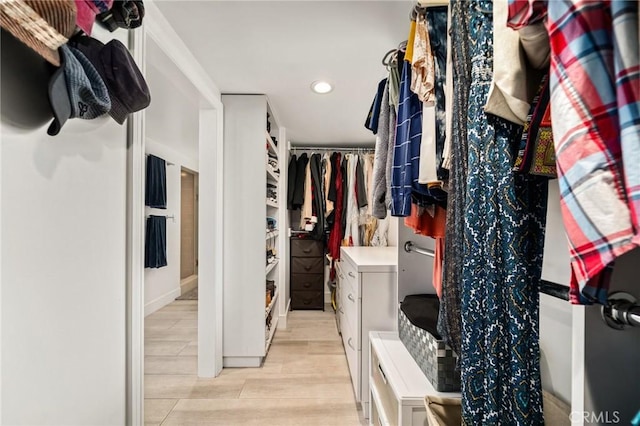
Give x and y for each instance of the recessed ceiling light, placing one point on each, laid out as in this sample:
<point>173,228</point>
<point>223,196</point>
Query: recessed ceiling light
<point>321,87</point>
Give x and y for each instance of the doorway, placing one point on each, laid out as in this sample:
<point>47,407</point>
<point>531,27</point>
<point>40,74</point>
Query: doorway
<point>188,235</point>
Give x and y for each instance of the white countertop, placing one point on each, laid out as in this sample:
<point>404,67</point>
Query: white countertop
<point>372,259</point>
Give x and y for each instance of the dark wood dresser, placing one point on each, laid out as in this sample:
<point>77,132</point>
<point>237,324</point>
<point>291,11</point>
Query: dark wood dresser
<point>307,274</point>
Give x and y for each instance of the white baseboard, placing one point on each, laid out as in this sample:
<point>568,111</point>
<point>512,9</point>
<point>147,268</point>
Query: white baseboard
<point>161,301</point>
<point>242,361</point>
<point>282,323</point>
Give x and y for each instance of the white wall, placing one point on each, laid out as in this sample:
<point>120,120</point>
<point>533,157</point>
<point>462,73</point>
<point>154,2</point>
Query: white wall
<point>162,285</point>
<point>63,267</point>
<point>173,135</point>
<point>556,315</point>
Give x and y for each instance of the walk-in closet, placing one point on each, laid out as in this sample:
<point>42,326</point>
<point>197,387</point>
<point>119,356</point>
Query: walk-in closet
<point>394,213</point>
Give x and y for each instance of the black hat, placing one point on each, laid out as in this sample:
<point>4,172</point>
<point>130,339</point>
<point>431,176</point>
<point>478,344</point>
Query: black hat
<point>127,87</point>
<point>123,14</point>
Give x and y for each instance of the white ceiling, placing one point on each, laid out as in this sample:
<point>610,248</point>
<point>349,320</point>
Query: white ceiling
<point>280,47</point>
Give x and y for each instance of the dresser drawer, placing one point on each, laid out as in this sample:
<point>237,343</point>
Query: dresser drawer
<point>307,265</point>
<point>307,299</point>
<point>306,248</point>
<point>307,282</point>
<point>351,307</point>
<point>353,355</point>
<point>385,400</point>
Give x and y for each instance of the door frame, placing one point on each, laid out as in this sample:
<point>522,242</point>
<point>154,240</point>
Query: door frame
<point>185,170</point>
<point>210,232</point>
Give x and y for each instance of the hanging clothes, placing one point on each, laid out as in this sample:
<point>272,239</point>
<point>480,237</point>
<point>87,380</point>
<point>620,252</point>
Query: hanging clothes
<point>379,184</point>
<point>327,170</point>
<point>595,110</point>
<point>437,26</point>
<point>306,212</point>
<point>405,188</point>
<point>298,193</point>
<point>317,197</point>
<point>450,318</point>
<point>537,153</point>
<point>423,70</point>
<point>374,113</point>
<point>352,232</point>
<point>448,95</point>
<point>515,80</point>
<point>337,230</point>
<point>156,183</point>
<point>502,263</point>
<point>291,180</point>
<point>431,224</point>
<point>368,180</point>
<point>155,247</point>
<point>345,197</point>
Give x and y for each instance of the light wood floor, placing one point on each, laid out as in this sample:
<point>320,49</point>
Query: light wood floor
<point>304,380</point>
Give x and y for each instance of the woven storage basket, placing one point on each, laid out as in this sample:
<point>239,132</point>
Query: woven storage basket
<point>436,360</point>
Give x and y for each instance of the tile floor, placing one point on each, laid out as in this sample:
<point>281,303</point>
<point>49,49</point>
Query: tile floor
<point>304,380</point>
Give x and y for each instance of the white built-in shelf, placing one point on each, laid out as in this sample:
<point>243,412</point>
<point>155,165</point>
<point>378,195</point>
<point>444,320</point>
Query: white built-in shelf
<point>272,234</point>
<point>272,331</point>
<point>272,204</point>
<point>271,266</point>
<point>271,145</point>
<point>273,302</point>
<point>272,177</point>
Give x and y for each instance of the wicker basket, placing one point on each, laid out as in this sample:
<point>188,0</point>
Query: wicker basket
<point>436,360</point>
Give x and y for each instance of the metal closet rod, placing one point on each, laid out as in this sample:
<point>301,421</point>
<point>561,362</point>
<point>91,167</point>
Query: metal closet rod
<point>622,309</point>
<point>331,148</point>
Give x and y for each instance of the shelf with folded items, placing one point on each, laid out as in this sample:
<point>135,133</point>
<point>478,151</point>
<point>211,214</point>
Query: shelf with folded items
<point>271,305</point>
<point>270,332</point>
<point>271,266</point>
<point>272,234</point>
<point>272,176</point>
<point>271,146</point>
<point>271,203</point>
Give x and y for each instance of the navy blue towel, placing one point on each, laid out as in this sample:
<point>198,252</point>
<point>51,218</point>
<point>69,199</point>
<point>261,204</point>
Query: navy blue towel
<point>155,246</point>
<point>156,189</point>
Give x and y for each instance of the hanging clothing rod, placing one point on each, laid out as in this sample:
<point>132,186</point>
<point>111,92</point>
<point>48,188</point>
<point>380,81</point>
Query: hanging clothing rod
<point>410,247</point>
<point>172,217</point>
<point>330,148</point>
<point>546,287</point>
<point>621,311</point>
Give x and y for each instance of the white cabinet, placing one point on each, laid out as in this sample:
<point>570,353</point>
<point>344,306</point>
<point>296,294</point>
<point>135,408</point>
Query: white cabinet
<point>397,386</point>
<point>252,195</point>
<point>367,301</point>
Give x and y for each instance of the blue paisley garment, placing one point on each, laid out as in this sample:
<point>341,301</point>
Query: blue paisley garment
<point>503,246</point>
<point>449,318</point>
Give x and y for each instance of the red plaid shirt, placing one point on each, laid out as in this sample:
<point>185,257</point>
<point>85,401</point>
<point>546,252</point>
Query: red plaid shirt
<point>595,104</point>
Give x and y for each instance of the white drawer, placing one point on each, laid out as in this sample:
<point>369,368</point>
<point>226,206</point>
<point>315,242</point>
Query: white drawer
<point>351,307</point>
<point>385,400</point>
<point>353,355</point>
<point>350,277</point>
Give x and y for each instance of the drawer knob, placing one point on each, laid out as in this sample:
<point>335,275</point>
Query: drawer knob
<point>351,344</point>
<point>306,285</point>
<point>307,268</point>
<point>350,297</point>
<point>306,251</point>
<point>351,274</point>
